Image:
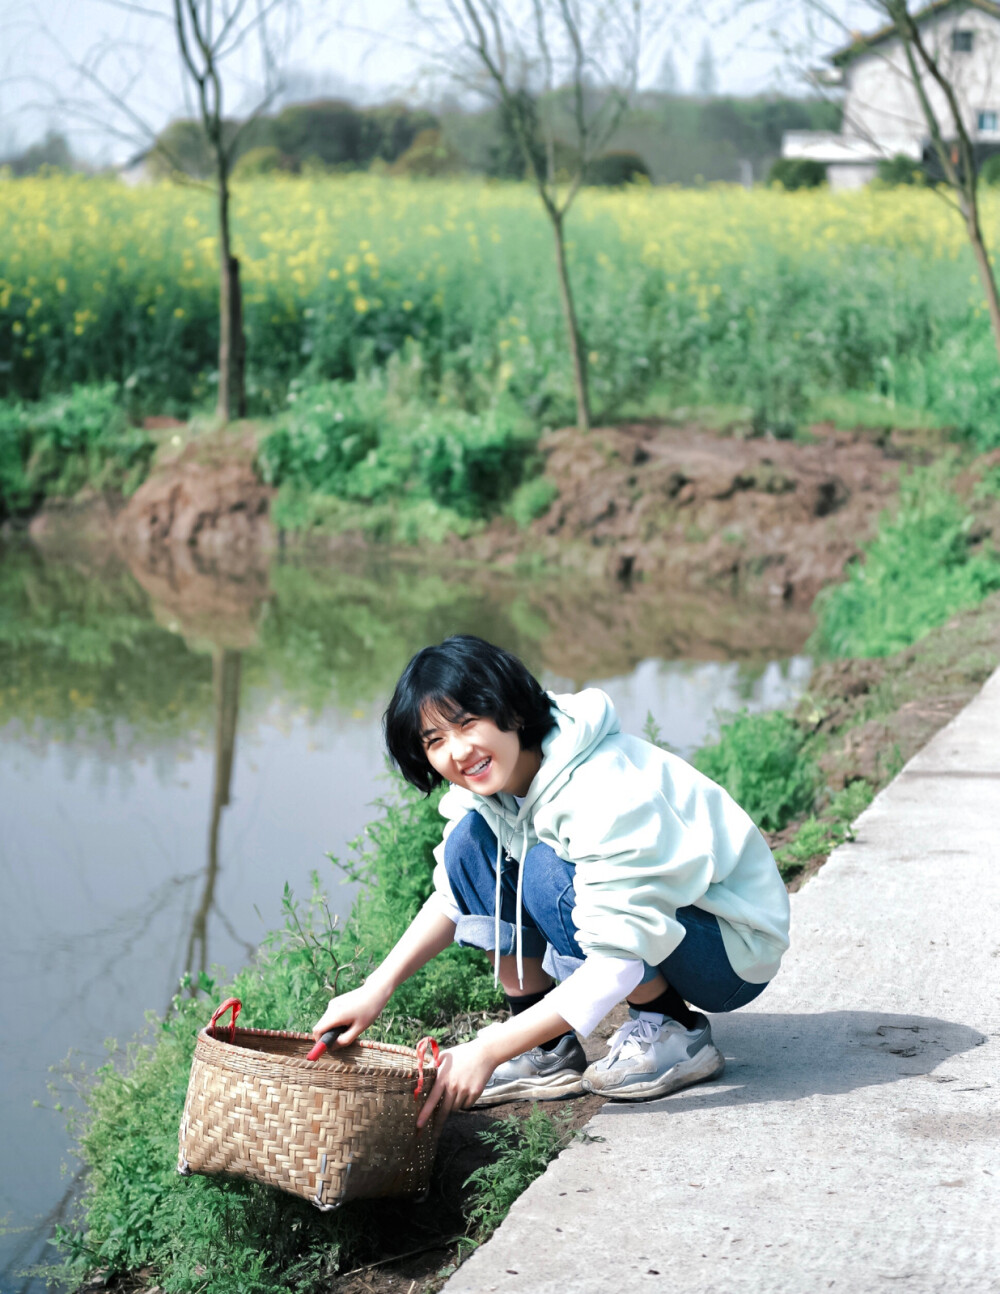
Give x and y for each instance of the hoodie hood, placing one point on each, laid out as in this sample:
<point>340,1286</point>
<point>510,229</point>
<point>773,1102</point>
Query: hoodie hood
<point>582,721</point>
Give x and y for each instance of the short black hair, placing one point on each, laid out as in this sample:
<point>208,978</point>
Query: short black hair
<point>463,675</point>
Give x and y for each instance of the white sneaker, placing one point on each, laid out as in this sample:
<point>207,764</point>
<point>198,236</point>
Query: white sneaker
<point>651,1055</point>
<point>538,1075</point>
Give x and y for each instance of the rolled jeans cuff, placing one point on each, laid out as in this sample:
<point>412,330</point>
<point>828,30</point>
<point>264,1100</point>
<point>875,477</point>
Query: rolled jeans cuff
<point>474,931</point>
<point>559,965</point>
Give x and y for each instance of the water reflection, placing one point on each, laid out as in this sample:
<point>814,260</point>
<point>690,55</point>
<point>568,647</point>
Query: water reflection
<point>176,742</point>
<point>226,689</point>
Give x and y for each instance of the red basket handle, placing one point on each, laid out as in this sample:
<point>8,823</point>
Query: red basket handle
<point>422,1046</point>
<point>236,1005</point>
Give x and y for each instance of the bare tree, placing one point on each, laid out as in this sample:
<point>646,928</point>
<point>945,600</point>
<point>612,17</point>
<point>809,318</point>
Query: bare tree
<point>949,133</point>
<point>208,33</point>
<point>935,88</point>
<point>551,66</point>
<point>216,40</point>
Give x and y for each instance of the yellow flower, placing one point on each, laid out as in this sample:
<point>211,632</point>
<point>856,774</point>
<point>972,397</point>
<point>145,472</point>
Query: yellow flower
<point>334,274</point>
<point>407,305</point>
<point>178,312</point>
<point>361,305</point>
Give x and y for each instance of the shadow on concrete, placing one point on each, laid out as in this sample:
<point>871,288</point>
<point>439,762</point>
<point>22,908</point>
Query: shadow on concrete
<point>796,1056</point>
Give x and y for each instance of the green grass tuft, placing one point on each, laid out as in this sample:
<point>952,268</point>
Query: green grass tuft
<point>523,1148</point>
<point>759,760</point>
<point>919,570</point>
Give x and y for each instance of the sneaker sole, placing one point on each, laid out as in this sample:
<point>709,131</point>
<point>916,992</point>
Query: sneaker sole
<point>534,1089</point>
<point>707,1064</point>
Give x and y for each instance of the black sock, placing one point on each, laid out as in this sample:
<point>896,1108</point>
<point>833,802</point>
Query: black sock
<point>522,1003</point>
<point>669,1003</point>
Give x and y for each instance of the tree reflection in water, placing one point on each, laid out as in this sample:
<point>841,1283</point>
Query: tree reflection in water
<point>226,669</point>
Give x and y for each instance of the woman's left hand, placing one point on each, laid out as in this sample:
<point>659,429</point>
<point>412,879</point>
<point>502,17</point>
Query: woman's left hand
<point>463,1072</point>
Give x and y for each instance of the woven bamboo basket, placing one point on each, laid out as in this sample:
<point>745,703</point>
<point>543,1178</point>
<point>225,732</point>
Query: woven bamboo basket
<point>337,1128</point>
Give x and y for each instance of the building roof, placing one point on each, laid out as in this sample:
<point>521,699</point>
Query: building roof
<point>862,44</point>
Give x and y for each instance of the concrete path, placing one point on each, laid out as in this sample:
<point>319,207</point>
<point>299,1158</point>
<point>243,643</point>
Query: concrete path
<point>853,1143</point>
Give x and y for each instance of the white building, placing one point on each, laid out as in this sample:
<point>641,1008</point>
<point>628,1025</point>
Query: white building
<point>882,113</point>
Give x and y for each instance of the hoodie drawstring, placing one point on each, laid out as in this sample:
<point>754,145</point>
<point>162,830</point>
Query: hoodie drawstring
<point>518,909</point>
<point>496,914</point>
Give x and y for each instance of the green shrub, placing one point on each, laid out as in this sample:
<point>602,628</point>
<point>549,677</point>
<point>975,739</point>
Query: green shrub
<point>893,171</point>
<point>347,441</point>
<point>797,173</point>
<point>918,571</point>
<point>330,430</point>
<point>759,760</point>
<point>615,169</point>
<point>430,155</point>
<point>820,833</point>
<point>523,1149</point>
<point>532,499</point>
<point>265,160</point>
<point>56,447</point>
<point>989,172</point>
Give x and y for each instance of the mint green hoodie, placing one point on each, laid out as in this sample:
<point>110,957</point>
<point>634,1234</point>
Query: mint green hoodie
<point>648,834</point>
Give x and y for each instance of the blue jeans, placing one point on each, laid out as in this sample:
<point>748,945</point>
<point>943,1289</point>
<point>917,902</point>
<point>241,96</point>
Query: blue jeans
<point>698,968</point>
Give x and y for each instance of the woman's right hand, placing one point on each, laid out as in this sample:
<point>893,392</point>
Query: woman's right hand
<point>352,1011</point>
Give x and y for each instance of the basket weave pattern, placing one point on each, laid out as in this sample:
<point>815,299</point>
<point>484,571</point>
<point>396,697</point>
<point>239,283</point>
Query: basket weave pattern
<point>329,1130</point>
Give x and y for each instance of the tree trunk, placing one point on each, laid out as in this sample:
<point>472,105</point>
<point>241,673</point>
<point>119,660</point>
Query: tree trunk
<point>985,270</point>
<point>232,399</point>
<point>577,352</point>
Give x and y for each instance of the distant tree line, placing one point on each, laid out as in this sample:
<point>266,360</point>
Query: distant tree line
<point>329,134</point>
<point>669,139</point>
<point>51,153</point>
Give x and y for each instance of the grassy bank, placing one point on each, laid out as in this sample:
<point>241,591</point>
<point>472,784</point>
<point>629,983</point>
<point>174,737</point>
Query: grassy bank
<point>805,777</point>
<point>923,606</point>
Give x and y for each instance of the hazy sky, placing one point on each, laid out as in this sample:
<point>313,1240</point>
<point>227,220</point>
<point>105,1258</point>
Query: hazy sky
<point>364,50</point>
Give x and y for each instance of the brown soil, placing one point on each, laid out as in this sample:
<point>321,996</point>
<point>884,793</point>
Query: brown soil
<point>692,508</point>
<point>207,498</point>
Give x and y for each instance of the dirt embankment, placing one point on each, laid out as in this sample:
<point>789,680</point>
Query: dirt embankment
<point>679,506</point>
<point>205,499</point>
<point>688,507</point>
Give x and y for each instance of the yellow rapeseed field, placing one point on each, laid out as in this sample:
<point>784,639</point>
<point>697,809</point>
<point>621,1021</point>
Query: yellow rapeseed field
<point>98,280</point>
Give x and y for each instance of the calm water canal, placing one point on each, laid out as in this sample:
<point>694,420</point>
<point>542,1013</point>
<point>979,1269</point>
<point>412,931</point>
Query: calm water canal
<point>175,746</point>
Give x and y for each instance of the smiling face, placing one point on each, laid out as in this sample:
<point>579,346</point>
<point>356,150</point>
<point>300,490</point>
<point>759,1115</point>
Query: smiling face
<point>473,752</point>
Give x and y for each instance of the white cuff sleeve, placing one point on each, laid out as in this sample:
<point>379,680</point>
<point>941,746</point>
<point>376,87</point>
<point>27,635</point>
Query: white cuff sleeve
<point>442,898</point>
<point>593,989</point>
